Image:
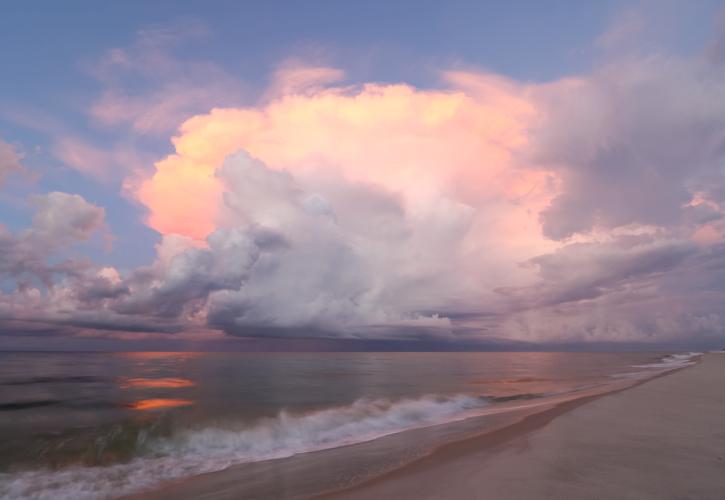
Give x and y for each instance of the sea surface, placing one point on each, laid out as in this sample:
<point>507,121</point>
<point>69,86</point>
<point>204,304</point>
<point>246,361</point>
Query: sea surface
<point>102,425</point>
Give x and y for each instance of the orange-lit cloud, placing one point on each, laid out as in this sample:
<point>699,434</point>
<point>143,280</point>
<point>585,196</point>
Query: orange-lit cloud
<point>461,143</point>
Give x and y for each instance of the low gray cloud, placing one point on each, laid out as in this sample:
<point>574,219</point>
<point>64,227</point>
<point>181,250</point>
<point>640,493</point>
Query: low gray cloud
<point>186,281</point>
<point>585,271</point>
<point>633,143</point>
<point>60,220</point>
<point>656,291</point>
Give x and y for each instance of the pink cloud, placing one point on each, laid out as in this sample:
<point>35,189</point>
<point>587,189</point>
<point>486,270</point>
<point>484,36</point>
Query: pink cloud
<point>296,77</point>
<point>460,143</point>
<point>122,159</point>
<point>174,88</point>
<point>10,160</point>
<point>82,156</point>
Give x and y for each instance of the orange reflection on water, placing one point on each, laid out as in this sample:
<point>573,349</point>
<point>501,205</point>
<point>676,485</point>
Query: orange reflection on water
<point>158,403</point>
<point>153,383</point>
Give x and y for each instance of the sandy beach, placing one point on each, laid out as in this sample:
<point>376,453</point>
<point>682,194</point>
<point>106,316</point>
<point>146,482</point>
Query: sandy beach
<point>664,439</point>
<point>660,439</point>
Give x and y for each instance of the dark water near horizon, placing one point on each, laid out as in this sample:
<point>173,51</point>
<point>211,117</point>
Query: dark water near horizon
<point>96,425</point>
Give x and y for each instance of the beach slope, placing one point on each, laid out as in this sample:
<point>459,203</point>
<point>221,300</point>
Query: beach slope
<point>664,439</point>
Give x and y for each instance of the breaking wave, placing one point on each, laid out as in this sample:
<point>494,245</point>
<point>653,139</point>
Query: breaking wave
<point>664,364</point>
<point>672,361</point>
<point>192,452</point>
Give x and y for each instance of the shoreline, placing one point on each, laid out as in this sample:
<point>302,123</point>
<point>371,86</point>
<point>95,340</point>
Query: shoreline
<point>492,441</point>
<point>494,430</point>
<point>640,442</point>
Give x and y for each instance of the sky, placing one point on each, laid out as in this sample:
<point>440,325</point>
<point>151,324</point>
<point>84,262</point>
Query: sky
<point>362,175</point>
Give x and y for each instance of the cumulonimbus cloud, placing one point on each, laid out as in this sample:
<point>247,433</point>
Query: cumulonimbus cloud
<point>425,203</point>
<point>589,208</point>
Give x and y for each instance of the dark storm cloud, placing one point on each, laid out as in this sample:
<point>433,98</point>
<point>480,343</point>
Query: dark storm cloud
<point>653,292</point>
<point>191,276</point>
<point>584,271</point>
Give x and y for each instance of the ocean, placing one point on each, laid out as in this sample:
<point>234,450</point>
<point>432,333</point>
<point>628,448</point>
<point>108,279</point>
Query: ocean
<point>104,425</point>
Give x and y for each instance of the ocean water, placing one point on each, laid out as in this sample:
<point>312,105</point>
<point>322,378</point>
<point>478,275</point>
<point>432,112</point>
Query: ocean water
<point>102,425</point>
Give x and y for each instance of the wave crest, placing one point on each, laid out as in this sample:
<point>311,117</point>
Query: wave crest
<point>191,452</point>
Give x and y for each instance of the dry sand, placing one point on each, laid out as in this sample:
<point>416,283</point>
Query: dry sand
<point>664,439</point>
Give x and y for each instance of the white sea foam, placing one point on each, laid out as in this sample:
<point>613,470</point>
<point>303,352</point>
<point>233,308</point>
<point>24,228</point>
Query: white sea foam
<point>666,363</point>
<point>673,361</point>
<point>205,450</point>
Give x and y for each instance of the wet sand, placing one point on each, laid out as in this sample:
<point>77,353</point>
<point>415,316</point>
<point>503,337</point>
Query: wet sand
<point>664,439</point>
